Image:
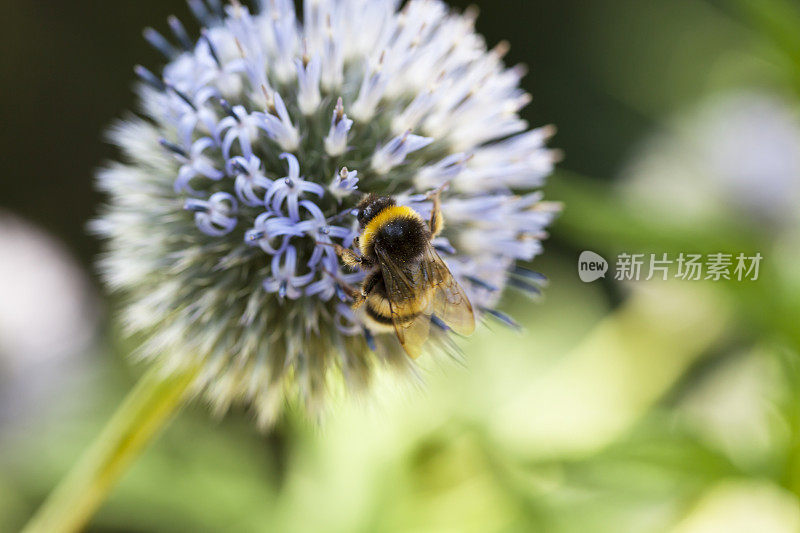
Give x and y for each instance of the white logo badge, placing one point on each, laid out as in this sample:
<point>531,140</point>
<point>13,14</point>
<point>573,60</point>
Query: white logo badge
<point>591,266</point>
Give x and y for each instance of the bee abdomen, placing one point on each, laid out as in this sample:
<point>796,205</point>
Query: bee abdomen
<point>406,309</point>
<point>377,317</point>
<point>382,314</point>
<point>381,323</point>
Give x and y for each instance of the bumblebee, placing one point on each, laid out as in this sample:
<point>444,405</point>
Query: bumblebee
<point>407,283</point>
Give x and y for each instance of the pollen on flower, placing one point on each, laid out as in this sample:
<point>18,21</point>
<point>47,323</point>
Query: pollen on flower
<point>258,140</point>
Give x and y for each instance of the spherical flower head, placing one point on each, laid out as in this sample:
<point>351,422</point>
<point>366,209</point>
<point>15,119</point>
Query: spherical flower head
<point>258,141</point>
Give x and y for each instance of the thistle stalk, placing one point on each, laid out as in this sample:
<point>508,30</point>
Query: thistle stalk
<point>142,415</point>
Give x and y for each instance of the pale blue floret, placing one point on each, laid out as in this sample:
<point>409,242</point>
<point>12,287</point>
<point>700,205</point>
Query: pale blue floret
<point>196,164</point>
<point>187,112</point>
<point>269,229</point>
<point>201,12</point>
<point>394,153</point>
<point>286,42</point>
<point>245,31</point>
<point>444,171</point>
<point>284,280</point>
<point>336,140</point>
<point>246,34</point>
<point>238,125</point>
<point>149,78</point>
<point>279,126</point>
<point>158,42</point>
<point>344,183</point>
<point>176,26</point>
<point>211,70</point>
<point>248,179</point>
<point>308,76</point>
<point>372,88</point>
<point>289,189</point>
<point>330,284</point>
<point>215,216</point>
<point>321,231</point>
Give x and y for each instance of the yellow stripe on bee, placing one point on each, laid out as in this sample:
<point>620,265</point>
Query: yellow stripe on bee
<point>385,216</point>
<point>407,308</point>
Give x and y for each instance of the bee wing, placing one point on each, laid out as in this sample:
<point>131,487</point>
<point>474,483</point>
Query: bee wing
<point>449,303</point>
<point>412,333</point>
<point>402,288</point>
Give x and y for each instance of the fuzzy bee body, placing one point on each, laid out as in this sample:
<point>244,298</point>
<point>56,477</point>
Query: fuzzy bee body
<point>407,283</point>
<point>381,316</point>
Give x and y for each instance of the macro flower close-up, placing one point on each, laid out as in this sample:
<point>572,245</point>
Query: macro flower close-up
<point>255,146</point>
<point>325,265</point>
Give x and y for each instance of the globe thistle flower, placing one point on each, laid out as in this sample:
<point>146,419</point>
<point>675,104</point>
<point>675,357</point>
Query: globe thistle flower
<point>256,142</point>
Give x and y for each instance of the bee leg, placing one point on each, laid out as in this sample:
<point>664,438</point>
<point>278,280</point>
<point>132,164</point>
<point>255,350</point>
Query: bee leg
<point>436,223</point>
<point>358,301</point>
<point>349,257</point>
<point>367,287</point>
<point>370,281</point>
<point>356,295</point>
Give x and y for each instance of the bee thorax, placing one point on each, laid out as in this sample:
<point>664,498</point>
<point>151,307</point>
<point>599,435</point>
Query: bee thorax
<point>403,238</point>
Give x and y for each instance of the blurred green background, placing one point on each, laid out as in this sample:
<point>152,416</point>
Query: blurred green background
<point>622,407</point>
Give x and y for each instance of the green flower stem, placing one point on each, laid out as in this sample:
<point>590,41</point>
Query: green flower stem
<point>145,411</point>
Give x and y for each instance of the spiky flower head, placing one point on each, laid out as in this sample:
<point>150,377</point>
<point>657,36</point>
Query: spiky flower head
<point>258,140</point>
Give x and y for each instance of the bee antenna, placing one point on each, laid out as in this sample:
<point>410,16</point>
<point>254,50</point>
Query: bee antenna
<point>338,216</point>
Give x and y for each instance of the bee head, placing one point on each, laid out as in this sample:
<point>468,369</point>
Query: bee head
<point>370,206</point>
